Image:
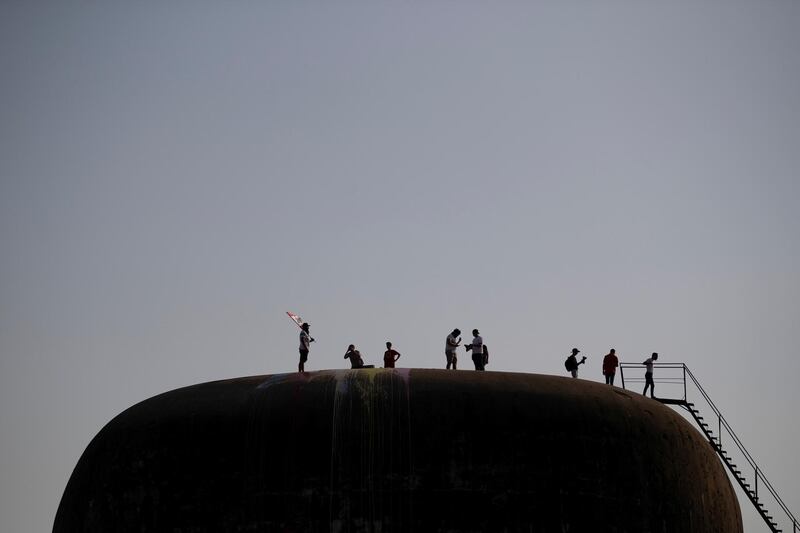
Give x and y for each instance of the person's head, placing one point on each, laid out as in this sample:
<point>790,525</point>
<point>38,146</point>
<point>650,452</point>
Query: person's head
<point>305,326</point>
<point>655,356</point>
<point>575,351</point>
<point>613,351</point>
<point>476,332</point>
<point>351,347</point>
<point>456,332</point>
<point>388,345</point>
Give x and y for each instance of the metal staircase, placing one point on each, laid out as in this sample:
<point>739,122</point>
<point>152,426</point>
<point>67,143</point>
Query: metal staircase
<point>679,375</point>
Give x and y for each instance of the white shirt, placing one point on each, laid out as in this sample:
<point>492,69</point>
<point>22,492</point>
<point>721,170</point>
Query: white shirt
<point>648,364</point>
<point>477,345</point>
<point>305,340</point>
<point>448,347</point>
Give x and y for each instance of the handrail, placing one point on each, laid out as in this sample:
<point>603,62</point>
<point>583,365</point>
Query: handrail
<point>723,423</point>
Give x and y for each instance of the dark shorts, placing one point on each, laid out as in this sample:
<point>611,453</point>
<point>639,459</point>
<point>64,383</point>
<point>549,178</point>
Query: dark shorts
<point>451,356</point>
<point>303,356</point>
<point>648,378</point>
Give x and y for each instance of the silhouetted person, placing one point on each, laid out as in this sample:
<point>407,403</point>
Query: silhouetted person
<point>390,356</point>
<point>305,342</point>
<point>477,349</point>
<point>453,342</point>
<point>355,358</point>
<point>648,375</point>
<point>571,364</point>
<point>484,359</point>
<point>610,364</point>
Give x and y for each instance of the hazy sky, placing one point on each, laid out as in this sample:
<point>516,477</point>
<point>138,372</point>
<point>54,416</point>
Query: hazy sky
<point>174,178</point>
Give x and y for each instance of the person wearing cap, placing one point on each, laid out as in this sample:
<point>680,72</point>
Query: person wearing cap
<point>610,364</point>
<point>572,363</point>
<point>648,375</point>
<point>305,343</point>
<point>453,341</point>
<point>477,349</point>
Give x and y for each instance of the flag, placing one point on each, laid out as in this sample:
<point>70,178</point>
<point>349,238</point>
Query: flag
<point>297,320</point>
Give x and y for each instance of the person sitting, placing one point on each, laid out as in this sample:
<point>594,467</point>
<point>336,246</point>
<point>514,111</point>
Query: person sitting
<point>355,358</point>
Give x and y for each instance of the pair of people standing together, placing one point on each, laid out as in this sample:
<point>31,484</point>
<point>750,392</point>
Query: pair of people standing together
<point>610,364</point>
<point>480,353</point>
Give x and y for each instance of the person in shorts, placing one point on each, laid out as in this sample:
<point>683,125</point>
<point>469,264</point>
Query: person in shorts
<point>572,362</point>
<point>305,343</point>
<point>453,342</point>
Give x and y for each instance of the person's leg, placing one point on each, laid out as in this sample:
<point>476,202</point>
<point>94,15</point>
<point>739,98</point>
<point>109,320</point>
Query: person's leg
<point>574,373</point>
<point>611,382</point>
<point>449,357</point>
<point>301,367</point>
<point>607,378</point>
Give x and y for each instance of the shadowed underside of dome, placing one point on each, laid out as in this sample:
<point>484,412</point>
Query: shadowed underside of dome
<point>397,449</point>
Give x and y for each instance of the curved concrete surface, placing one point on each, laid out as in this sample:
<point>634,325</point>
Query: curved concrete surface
<point>399,450</point>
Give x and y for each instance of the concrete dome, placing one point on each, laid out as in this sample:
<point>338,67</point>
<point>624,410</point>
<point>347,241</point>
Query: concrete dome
<point>399,450</point>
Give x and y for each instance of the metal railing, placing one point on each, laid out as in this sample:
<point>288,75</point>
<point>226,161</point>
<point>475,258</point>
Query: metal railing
<point>676,378</point>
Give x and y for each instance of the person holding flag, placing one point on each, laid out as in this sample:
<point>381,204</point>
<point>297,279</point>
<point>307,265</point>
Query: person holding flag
<point>305,344</point>
<point>305,340</point>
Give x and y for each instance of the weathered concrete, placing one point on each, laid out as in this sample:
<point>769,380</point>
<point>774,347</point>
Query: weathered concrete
<point>392,450</point>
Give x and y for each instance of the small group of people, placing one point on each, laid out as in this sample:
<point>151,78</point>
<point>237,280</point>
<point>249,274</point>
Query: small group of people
<point>610,365</point>
<point>480,352</point>
<point>356,361</point>
<point>480,357</point>
<point>390,357</point>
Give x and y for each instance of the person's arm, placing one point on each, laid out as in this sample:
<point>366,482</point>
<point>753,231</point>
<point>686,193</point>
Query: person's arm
<point>583,360</point>
<point>347,354</point>
<point>397,357</point>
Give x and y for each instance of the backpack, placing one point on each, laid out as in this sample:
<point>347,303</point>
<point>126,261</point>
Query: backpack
<point>570,364</point>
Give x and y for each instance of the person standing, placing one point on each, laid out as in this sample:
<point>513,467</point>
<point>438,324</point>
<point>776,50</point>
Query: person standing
<point>453,342</point>
<point>390,356</point>
<point>572,363</point>
<point>610,364</point>
<point>648,375</point>
<point>305,342</point>
<point>477,349</point>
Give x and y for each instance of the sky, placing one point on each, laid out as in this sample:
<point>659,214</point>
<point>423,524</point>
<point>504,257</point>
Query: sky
<point>175,176</point>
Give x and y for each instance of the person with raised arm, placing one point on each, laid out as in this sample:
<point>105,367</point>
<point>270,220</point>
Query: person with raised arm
<point>648,375</point>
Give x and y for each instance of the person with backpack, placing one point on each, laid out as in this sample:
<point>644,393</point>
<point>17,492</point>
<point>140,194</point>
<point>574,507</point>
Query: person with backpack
<point>610,364</point>
<point>571,364</point>
<point>477,349</point>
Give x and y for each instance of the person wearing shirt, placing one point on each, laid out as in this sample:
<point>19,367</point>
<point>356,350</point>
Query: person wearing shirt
<point>572,362</point>
<point>390,356</point>
<point>477,349</point>
<point>648,375</point>
<point>305,343</point>
<point>453,342</point>
<point>610,364</point>
<point>355,358</point>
